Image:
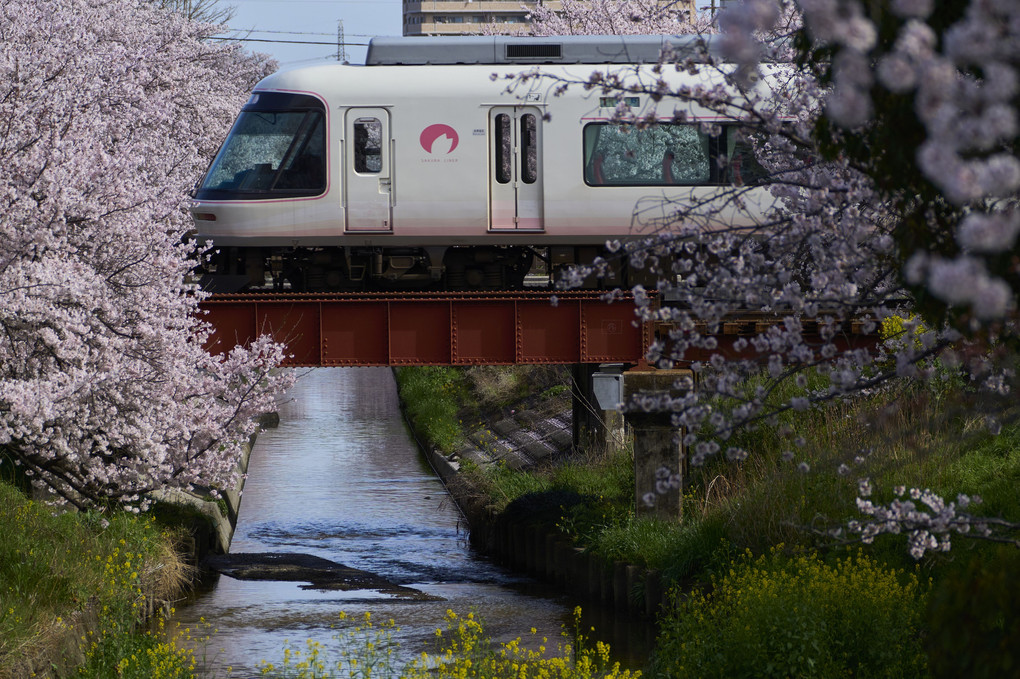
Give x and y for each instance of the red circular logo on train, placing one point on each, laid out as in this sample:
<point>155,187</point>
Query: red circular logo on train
<point>439,139</point>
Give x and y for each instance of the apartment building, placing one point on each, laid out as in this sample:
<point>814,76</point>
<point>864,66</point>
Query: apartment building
<point>458,17</point>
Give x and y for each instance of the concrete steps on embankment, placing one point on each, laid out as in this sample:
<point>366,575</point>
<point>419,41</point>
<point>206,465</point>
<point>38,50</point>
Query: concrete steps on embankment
<point>523,439</point>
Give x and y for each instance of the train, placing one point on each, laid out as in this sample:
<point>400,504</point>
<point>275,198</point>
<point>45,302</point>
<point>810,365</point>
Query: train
<point>430,167</point>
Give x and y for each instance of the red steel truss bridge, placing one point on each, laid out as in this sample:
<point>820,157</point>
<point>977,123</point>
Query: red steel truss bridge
<point>462,328</point>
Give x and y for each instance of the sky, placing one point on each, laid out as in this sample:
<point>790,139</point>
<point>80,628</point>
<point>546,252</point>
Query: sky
<point>286,21</point>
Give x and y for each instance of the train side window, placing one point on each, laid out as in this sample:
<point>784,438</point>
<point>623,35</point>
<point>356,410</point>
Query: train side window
<point>660,155</point>
<point>368,146</point>
<point>504,148</point>
<point>529,148</point>
<point>741,167</point>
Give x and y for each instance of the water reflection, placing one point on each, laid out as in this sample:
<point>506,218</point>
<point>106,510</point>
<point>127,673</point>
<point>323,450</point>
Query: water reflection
<point>341,479</point>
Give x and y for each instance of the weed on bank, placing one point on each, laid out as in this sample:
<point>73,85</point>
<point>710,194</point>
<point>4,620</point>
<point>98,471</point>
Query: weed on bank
<point>774,617</point>
<point>78,585</point>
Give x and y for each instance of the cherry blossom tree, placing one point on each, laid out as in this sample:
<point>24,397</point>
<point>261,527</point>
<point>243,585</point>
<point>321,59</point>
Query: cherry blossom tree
<point>110,110</point>
<point>922,98</point>
<point>612,17</point>
<point>206,11</point>
<point>887,134</point>
<point>617,17</point>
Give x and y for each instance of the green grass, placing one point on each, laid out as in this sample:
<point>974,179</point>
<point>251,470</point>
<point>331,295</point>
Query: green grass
<point>990,468</point>
<point>498,387</point>
<point>57,568</point>
<point>606,480</point>
<point>432,398</point>
<point>502,485</point>
<point>442,402</point>
<point>681,551</point>
<point>780,616</point>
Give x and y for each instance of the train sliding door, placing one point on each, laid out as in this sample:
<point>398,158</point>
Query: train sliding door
<point>515,168</point>
<point>368,170</point>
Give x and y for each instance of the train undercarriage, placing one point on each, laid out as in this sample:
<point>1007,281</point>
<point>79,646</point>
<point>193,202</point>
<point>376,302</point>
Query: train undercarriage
<point>354,269</point>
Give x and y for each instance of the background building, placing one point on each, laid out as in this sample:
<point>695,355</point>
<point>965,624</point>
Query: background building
<point>456,17</point>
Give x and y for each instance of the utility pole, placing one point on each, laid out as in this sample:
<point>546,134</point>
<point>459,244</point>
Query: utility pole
<point>341,51</point>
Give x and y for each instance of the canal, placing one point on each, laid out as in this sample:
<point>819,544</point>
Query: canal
<point>341,479</point>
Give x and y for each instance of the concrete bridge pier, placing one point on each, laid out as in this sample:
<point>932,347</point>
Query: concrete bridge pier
<point>659,461</point>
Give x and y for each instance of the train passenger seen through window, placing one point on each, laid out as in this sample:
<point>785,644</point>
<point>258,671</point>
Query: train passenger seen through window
<point>666,154</point>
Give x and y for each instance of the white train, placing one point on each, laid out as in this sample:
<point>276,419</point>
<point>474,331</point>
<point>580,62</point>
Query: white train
<point>421,170</point>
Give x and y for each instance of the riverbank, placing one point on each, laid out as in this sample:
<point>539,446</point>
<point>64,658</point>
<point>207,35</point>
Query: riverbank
<point>525,491</point>
<point>765,521</point>
<point>207,520</point>
<point>86,595</point>
<point>512,470</point>
<point>749,569</point>
<point>75,589</point>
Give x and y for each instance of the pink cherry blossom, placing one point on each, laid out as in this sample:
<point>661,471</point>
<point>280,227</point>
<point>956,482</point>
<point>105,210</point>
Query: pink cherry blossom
<point>111,110</point>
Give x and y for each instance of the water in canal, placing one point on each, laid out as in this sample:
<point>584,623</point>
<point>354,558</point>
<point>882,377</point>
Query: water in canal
<point>341,479</point>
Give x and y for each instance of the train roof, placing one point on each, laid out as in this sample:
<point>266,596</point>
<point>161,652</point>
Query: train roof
<point>559,49</point>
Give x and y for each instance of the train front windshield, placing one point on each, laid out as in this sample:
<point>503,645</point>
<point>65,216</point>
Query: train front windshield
<point>276,149</point>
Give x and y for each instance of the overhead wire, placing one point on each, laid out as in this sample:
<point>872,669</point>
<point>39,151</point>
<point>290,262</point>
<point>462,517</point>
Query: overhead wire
<point>249,32</point>
<point>318,2</point>
<point>260,30</point>
<point>289,42</point>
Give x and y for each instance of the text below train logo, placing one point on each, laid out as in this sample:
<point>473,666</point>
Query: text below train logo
<point>439,139</point>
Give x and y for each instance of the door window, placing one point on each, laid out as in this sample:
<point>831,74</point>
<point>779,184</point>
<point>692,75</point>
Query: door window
<point>367,146</point>
<point>504,149</point>
<point>529,148</point>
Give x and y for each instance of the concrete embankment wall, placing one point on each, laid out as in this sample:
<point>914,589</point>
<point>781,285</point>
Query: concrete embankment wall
<point>209,522</point>
<point>547,554</point>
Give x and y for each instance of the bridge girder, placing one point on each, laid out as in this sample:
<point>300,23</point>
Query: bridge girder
<point>399,329</point>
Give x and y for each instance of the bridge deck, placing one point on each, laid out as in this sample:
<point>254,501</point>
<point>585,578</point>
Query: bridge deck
<point>411,328</point>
